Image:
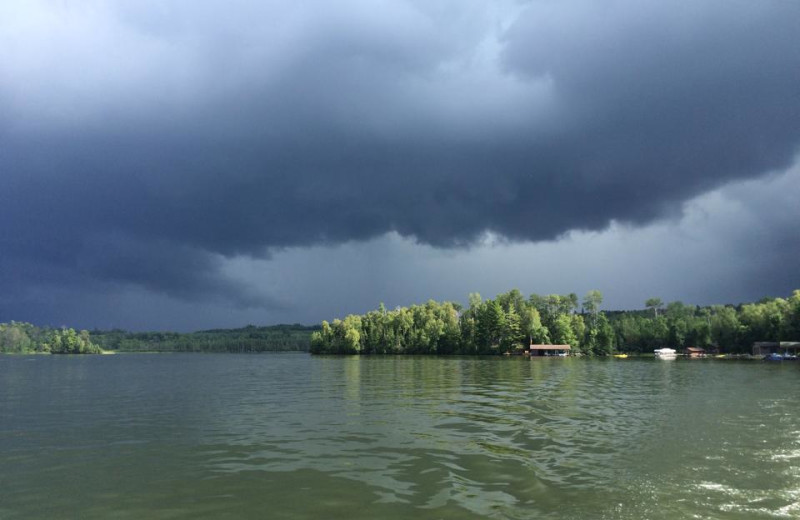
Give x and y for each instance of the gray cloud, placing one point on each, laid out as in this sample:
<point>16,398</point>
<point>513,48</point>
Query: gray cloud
<point>142,144</point>
<point>728,246</point>
<point>735,244</point>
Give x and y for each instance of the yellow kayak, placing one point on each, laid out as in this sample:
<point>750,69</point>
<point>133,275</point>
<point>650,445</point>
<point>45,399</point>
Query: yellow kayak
<point>621,356</point>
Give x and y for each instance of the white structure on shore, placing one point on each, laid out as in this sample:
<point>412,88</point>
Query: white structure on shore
<point>666,353</point>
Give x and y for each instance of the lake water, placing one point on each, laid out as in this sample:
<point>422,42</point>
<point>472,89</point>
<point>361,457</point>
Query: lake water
<point>290,436</point>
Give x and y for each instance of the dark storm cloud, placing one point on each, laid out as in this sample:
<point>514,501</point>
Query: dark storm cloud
<point>141,144</point>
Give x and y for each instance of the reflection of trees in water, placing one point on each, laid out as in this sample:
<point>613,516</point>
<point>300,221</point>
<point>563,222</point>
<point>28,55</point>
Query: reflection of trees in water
<point>511,435</point>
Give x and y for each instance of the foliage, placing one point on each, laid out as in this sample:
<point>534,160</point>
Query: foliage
<point>246,339</point>
<point>506,324</point>
<point>510,322</point>
<point>722,328</point>
<point>25,338</point>
<point>655,304</point>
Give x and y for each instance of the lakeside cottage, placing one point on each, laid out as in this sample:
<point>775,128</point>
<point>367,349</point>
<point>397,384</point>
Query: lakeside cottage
<point>765,348</point>
<point>549,350</point>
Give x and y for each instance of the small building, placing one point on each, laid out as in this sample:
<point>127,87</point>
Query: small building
<point>695,352</point>
<point>549,350</point>
<point>765,348</point>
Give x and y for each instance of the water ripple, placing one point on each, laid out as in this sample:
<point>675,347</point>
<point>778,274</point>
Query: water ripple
<point>221,436</point>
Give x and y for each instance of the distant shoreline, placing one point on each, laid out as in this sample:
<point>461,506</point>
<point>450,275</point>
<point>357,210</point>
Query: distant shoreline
<point>25,338</point>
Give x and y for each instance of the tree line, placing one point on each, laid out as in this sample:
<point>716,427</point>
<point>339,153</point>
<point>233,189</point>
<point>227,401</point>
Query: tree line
<point>247,339</point>
<point>25,338</point>
<point>510,322</point>
<point>507,323</point>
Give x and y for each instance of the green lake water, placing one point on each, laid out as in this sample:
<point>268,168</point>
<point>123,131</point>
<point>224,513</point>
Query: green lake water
<point>291,436</point>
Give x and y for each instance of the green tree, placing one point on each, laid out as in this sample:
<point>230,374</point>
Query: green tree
<point>591,302</point>
<point>655,304</point>
<point>563,332</point>
<point>604,337</point>
<point>512,332</point>
<point>14,338</point>
<point>533,328</point>
<point>491,324</point>
<point>578,326</point>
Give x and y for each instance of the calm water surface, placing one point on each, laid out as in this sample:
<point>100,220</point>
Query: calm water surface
<point>289,436</point>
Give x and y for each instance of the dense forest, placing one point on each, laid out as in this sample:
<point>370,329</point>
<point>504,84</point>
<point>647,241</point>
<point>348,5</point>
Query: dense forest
<point>508,323</point>
<point>24,338</point>
<point>248,339</point>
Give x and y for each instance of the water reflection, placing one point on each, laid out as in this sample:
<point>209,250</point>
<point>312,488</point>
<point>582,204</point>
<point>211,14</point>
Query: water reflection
<point>499,437</point>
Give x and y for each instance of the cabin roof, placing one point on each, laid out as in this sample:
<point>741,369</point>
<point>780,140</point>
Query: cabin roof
<point>549,347</point>
<point>695,349</point>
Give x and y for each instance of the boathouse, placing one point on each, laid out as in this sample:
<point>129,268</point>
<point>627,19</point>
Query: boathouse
<point>695,352</point>
<point>549,350</point>
<point>764,348</point>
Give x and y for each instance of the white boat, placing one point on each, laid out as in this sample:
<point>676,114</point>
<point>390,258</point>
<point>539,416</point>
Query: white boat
<point>665,353</point>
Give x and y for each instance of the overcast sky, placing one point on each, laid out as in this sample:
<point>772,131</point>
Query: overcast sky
<point>188,165</point>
